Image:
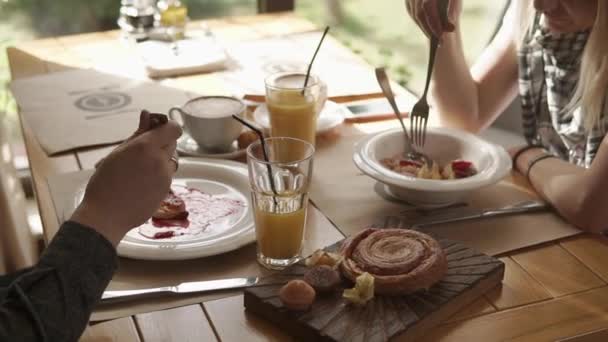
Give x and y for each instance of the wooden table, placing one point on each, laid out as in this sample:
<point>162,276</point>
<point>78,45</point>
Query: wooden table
<point>555,291</point>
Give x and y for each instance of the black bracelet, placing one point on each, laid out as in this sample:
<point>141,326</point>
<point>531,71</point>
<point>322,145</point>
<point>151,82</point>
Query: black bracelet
<point>521,151</point>
<point>536,160</point>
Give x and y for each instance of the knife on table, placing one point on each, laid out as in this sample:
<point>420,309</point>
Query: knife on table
<point>518,208</point>
<point>188,287</point>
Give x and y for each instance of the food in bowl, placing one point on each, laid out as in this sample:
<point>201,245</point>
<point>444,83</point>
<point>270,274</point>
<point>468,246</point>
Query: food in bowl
<point>456,169</point>
<point>491,162</point>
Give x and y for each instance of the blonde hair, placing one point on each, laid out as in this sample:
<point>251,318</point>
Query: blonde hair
<point>591,89</point>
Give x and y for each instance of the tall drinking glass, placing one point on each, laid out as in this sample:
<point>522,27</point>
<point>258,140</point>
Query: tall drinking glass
<point>294,108</point>
<point>280,198</point>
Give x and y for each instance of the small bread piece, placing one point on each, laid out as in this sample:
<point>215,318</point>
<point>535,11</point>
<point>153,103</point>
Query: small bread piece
<point>297,295</point>
<point>246,138</point>
<point>322,278</point>
<point>321,257</point>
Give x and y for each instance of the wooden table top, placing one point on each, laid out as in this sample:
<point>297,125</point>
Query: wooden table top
<point>550,292</point>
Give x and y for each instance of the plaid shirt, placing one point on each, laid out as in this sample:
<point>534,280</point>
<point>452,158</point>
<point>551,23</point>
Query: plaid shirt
<point>549,65</point>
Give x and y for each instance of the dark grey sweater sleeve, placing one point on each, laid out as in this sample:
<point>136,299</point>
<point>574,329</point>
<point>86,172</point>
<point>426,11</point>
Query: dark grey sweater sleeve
<point>53,300</point>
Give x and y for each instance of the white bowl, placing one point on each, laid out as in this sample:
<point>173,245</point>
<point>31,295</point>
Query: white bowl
<point>442,145</point>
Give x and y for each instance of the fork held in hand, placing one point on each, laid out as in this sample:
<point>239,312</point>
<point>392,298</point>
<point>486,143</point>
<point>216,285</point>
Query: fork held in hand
<point>419,114</point>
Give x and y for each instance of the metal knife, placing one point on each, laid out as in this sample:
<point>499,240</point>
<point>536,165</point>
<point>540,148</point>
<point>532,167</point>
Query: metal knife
<point>188,287</point>
<point>518,208</point>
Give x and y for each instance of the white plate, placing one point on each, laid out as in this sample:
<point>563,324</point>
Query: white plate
<point>188,147</point>
<point>331,116</point>
<point>217,177</point>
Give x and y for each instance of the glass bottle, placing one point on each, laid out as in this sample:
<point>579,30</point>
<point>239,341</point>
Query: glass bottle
<point>136,16</point>
<point>173,16</point>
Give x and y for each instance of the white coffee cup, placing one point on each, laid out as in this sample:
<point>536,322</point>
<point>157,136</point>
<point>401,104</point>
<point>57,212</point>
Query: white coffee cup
<point>208,120</point>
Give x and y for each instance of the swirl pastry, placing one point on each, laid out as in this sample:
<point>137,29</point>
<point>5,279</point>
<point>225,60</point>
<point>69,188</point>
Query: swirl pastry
<point>400,260</point>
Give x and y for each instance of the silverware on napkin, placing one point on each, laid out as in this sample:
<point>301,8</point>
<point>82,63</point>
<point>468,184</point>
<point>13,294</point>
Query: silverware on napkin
<point>518,208</point>
<point>188,287</point>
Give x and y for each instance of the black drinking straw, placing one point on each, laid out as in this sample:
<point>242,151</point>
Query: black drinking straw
<point>313,58</point>
<point>261,136</point>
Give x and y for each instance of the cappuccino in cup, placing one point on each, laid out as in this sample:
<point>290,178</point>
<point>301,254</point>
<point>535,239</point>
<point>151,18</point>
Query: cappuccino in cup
<point>208,120</point>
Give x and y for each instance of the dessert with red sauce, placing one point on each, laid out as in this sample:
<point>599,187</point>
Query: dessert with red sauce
<point>188,212</point>
<point>172,207</point>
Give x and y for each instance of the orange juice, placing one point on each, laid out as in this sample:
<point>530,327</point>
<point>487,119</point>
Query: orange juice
<point>279,225</point>
<point>280,236</point>
<point>293,115</point>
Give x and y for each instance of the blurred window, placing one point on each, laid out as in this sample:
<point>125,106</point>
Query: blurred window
<point>383,33</point>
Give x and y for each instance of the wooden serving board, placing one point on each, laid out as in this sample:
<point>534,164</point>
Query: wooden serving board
<point>470,274</point>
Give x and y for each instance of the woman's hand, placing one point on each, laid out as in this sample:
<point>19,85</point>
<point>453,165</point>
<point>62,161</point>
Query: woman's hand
<point>523,159</point>
<point>426,14</point>
<point>577,193</point>
<point>130,183</point>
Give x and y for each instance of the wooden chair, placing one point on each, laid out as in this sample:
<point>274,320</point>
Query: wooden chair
<point>18,245</point>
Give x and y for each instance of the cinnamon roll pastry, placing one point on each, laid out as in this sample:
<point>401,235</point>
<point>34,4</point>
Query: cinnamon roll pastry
<point>401,261</point>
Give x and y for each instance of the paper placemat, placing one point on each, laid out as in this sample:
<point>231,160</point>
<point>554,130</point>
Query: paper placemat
<point>139,274</point>
<point>353,201</point>
<point>80,108</point>
<point>252,61</point>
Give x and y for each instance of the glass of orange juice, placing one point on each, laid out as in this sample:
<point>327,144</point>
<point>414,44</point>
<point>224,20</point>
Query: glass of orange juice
<point>294,107</point>
<point>280,197</point>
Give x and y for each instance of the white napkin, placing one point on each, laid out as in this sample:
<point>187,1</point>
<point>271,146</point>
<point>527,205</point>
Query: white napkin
<point>188,56</point>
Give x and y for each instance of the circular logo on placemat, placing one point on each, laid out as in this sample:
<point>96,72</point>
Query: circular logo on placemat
<point>103,102</point>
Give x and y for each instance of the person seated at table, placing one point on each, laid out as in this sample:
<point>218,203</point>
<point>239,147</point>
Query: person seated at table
<point>53,300</point>
<point>554,54</point>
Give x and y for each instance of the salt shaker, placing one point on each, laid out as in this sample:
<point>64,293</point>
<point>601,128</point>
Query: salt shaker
<point>137,17</point>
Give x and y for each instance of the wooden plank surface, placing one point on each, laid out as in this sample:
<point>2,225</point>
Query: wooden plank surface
<point>232,323</point>
<point>479,307</point>
<point>112,331</point>
<point>591,250</point>
<point>558,271</point>
<point>517,288</point>
<point>544,321</point>
<point>600,335</point>
<point>187,324</point>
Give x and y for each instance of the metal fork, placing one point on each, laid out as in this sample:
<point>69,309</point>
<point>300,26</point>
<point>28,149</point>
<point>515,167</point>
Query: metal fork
<point>410,152</point>
<point>419,114</point>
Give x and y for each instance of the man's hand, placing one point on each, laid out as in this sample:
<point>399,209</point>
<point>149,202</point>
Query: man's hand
<point>130,183</point>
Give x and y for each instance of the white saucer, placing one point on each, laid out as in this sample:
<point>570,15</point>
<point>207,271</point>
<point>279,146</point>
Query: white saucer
<point>186,146</point>
<point>331,116</point>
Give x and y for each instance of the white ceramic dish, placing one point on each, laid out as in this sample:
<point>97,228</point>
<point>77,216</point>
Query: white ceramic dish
<point>331,116</point>
<point>217,177</point>
<point>443,145</point>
